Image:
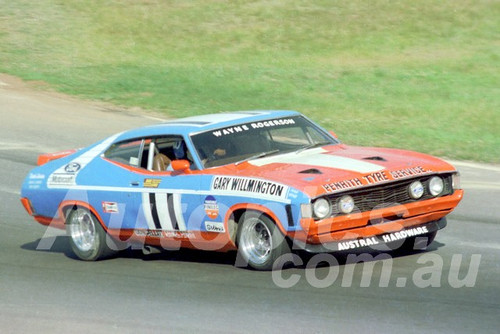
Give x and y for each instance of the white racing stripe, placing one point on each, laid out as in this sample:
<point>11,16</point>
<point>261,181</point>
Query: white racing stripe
<point>88,156</point>
<point>66,175</point>
<point>317,158</point>
<point>163,211</point>
<point>163,215</point>
<point>84,159</point>
<point>178,212</point>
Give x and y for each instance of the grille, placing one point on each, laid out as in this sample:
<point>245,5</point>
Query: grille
<point>388,195</point>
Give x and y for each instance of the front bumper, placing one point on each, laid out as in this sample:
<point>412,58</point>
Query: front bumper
<point>378,221</point>
<point>374,242</point>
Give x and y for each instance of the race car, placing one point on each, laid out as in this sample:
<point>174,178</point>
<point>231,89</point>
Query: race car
<point>262,183</point>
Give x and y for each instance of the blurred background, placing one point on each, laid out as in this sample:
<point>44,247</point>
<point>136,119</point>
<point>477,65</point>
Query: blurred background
<point>421,75</point>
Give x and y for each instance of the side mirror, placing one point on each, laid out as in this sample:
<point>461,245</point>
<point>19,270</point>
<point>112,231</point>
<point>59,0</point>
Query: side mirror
<point>181,166</point>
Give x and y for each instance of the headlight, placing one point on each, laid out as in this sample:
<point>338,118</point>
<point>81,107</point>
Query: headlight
<point>436,185</point>
<point>321,208</point>
<point>416,189</point>
<point>346,204</point>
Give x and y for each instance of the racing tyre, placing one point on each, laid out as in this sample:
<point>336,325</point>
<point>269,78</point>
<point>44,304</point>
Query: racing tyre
<point>86,235</point>
<point>260,242</point>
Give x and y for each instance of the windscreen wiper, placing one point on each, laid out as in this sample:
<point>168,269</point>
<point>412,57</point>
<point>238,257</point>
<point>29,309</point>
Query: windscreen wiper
<point>313,145</point>
<point>257,156</point>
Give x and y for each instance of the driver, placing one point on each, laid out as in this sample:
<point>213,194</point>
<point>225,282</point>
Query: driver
<point>180,153</point>
<point>180,150</point>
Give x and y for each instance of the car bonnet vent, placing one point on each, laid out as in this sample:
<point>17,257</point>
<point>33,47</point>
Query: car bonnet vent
<point>375,158</point>
<point>311,171</point>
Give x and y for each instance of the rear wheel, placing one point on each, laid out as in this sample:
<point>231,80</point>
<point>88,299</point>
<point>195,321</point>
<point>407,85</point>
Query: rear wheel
<point>86,235</point>
<point>260,242</point>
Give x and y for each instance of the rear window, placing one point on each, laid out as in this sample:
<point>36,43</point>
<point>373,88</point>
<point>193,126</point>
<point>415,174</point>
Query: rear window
<point>126,152</point>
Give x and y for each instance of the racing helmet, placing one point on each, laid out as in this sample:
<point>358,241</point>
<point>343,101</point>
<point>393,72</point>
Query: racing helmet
<point>180,149</point>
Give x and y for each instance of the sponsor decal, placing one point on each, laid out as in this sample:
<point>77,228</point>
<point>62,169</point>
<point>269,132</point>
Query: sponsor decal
<point>247,185</point>
<point>179,235</point>
<point>251,126</point>
<point>215,227</point>
<point>358,243</point>
<point>36,176</point>
<point>376,177</point>
<point>164,234</point>
<point>398,174</point>
<point>110,207</point>
<point>395,236</point>
<point>72,167</point>
<point>61,180</point>
<point>149,233</point>
<point>151,183</point>
<point>211,207</point>
<point>293,193</point>
<point>35,180</point>
<point>373,178</point>
<point>341,185</point>
<point>405,234</point>
<point>134,161</point>
<point>65,176</point>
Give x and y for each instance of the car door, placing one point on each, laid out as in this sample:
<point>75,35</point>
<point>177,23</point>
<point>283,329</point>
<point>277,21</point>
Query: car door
<point>167,199</point>
<point>164,203</point>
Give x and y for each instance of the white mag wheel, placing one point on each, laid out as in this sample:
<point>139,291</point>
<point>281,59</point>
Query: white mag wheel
<point>260,242</point>
<point>86,235</point>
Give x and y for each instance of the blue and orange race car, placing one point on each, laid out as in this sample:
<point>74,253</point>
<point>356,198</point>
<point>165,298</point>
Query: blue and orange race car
<point>259,182</point>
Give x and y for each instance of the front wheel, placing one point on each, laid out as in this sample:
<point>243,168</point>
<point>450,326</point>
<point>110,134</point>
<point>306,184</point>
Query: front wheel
<point>260,242</point>
<point>86,235</point>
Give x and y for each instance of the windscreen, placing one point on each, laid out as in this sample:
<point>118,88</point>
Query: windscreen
<point>246,141</point>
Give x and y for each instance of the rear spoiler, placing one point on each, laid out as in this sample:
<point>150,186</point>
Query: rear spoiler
<point>46,157</point>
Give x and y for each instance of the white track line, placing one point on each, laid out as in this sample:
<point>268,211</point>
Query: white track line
<point>491,167</point>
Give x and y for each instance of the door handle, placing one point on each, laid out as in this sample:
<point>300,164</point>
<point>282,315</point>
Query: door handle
<point>134,183</point>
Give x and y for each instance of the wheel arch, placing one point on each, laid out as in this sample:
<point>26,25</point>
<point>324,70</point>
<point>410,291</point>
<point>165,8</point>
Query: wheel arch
<point>66,206</point>
<point>234,214</point>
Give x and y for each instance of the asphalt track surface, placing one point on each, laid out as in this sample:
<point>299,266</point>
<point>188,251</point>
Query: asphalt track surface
<point>43,289</point>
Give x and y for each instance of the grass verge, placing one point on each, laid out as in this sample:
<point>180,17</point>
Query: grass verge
<point>420,75</point>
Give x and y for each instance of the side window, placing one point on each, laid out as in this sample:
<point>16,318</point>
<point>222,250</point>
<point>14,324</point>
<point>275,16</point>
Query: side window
<point>154,154</point>
<point>315,135</point>
<point>161,151</point>
<point>128,152</point>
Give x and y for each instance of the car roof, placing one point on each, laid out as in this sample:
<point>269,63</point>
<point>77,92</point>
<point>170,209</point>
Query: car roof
<point>194,124</point>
